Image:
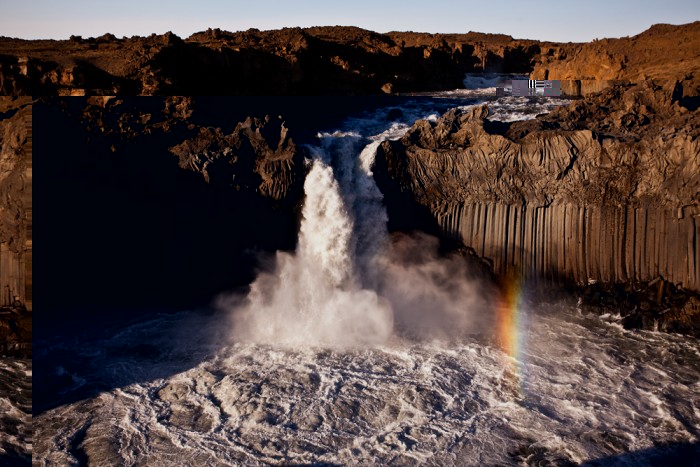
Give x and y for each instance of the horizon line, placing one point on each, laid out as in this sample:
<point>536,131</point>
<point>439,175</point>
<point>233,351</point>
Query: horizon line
<point>184,37</point>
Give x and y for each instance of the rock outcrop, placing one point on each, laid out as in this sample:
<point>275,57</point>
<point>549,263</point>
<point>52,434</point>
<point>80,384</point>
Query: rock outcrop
<point>274,172</point>
<point>663,52</point>
<point>15,226</point>
<point>295,61</point>
<point>165,209</point>
<point>15,201</point>
<point>605,190</point>
<point>331,60</point>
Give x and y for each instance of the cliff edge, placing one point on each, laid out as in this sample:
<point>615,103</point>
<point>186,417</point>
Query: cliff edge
<point>332,60</point>
<point>606,190</point>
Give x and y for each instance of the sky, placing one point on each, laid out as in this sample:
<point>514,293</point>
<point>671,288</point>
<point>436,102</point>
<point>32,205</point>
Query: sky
<point>551,20</point>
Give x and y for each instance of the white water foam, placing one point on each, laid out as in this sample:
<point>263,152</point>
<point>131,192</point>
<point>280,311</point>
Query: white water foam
<point>511,109</point>
<point>15,411</point>
<point>347,285</point>
<point>590,392</point>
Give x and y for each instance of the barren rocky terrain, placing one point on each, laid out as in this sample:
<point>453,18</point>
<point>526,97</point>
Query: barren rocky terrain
<point>332,60</point>
<point>604,190</point>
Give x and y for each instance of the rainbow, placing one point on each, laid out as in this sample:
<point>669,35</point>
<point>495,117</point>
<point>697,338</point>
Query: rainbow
<point>510,328</point>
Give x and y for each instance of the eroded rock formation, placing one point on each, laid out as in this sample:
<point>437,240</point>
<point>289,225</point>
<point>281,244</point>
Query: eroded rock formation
<point>163,209</point>
<point>16,197</point>
<point>15,225</point>
<point>331,60</point>
<point>607,189</point>
<point>226,159</point>
<point>663,52</point>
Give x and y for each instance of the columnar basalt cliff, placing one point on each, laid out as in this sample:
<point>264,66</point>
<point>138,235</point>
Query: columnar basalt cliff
<point>330,60</point>
<point>15,225</point>
<point>16,196</point>
<point>605,190</point>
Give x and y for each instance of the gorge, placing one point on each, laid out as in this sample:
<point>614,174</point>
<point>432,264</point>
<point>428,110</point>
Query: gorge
<point>600,196</point>
<point>363,342</point>
<point>328,252</point>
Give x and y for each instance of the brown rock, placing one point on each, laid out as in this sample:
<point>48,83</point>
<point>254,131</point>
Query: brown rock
<point>15,201</point>
<point>258,154</point>
<point>333,60</point>
<point>604,190</point>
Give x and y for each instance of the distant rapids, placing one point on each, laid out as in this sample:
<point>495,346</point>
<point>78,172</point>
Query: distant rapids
<point>363,348</point>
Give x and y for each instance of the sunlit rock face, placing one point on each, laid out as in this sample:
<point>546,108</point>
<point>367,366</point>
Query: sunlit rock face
<point>603,190</point>
<point>15,226</point>
<point>332,60</point>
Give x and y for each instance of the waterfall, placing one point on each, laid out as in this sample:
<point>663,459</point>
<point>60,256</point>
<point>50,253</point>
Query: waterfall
<point>325,294</point>
<point>348,285</point>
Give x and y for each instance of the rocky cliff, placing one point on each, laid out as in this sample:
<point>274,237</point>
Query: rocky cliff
<point>330,60</point>
<point>605,190</point>
<point>164,209</point>
<point>245,158</point>
<point>15,225</point>
<point>663,52</point>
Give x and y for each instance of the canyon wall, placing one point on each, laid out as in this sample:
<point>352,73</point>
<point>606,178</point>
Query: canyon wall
<point>15,202</point>
<point>332,60</point>
<point>156,205</point>
<point>567,243</point>
<point>662,52</point>
<point>607,189</point>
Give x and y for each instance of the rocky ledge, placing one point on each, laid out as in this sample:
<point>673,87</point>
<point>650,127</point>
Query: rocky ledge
<point>332,60</point>
<point>165,208</point>
<point>603,195</point>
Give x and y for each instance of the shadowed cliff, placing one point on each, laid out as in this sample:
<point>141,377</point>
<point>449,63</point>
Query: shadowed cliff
<point>143,205</point>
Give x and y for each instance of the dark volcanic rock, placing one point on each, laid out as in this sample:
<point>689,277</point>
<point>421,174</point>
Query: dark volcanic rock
<point>606,190</point>
<point>16,331</point>
<point>274,169</point>
<point>15,117</point>
<point>656,305</point>
<point>331,60</point>
<point>659,53</point>
<point>159,211</point>
<point>591,153</point>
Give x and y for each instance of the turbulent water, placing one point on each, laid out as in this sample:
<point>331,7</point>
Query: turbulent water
<point>366,349</point>
<point>15,411</point>
<point>584,389</point>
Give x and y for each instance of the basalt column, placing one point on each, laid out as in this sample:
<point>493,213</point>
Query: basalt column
<point>15,202</point>
<point>566,242</point>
